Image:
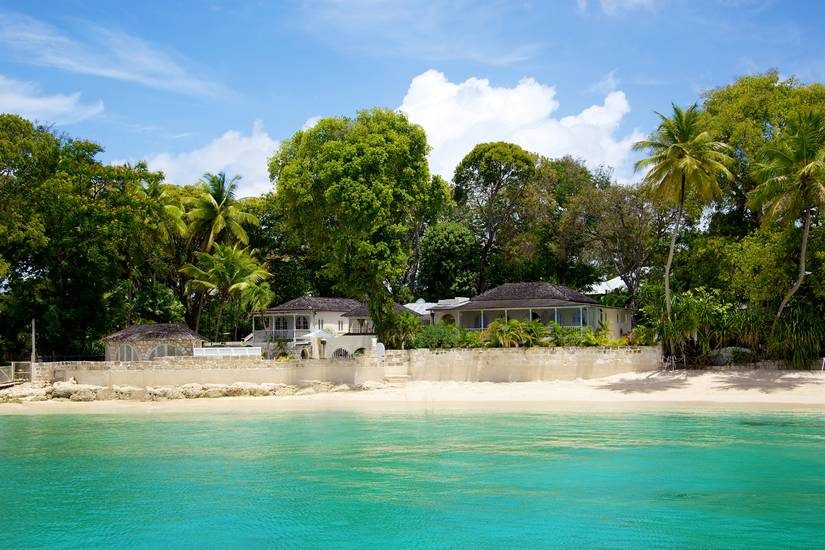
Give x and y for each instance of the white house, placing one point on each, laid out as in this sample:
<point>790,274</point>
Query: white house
<point>540,301</point>
<point>295,319</point>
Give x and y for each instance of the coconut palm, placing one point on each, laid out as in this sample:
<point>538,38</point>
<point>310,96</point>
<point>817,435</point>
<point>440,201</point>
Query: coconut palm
<point>226,273</point>
<point>792,175</point>
<point>684,159</point>
<point>216,210</point>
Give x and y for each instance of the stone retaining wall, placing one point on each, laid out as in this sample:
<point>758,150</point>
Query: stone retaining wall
<point>523,364</point>
<point>482,365</point>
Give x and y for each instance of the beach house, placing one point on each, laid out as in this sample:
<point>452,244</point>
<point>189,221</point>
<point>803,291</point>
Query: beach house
<point>545,302</point>
<point>296,319</point>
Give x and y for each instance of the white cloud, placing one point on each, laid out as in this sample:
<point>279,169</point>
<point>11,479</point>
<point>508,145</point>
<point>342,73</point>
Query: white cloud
<point>457,116</point>
<point>438,31</point>
<point>614,7</point>
<point>101,51</point>
<point>26,99</point>
<point>311,122</point>
<point>233,153</point>
<point>608,84</point>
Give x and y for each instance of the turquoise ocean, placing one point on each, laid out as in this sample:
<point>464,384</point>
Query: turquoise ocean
<point>413,480</point>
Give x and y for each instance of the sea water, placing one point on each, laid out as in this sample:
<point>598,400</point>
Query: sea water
<point>413,480</point>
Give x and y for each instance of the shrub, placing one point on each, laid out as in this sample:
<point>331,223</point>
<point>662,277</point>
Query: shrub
<point>438,336</point>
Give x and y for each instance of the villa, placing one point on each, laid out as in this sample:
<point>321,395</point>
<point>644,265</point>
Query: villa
<point>545,302</point>
<point>294,320</point>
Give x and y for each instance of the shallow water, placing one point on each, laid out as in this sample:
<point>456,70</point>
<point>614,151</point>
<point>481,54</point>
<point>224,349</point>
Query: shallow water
<point>413,480</point>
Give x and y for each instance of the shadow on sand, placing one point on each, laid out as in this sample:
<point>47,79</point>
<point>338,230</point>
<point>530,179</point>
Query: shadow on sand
<point>655,381</point>
<point>768,381</point>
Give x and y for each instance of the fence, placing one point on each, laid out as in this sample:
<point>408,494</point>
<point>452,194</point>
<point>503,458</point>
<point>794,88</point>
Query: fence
<point>227,352</point>
<point>16,372</point>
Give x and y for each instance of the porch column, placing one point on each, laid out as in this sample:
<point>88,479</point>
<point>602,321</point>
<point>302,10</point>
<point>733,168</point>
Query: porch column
<point>581,318</point>
<point>555,315</point>
<point>294,326</point>
<point>506,317</point>
<point>482,318</point>
<point>529,314</point>
<point>458,319</point>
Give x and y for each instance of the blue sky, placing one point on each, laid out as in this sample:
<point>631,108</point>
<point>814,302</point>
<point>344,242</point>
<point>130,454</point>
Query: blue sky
<point>197,86</point>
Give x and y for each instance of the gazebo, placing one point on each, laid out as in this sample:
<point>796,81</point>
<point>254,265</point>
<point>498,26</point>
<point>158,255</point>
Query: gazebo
<point>148,342</point>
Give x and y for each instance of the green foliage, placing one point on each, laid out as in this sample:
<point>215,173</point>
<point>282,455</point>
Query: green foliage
<point>800,335</point>
<point>449,261</point>
<point>402,330</point>
<point>437,336</point>
<point>351,188</point>
<point>215,210</point>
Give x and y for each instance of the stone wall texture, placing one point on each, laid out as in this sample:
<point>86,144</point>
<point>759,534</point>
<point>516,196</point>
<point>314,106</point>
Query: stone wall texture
<point>523,364</point>
<point>471,365</point>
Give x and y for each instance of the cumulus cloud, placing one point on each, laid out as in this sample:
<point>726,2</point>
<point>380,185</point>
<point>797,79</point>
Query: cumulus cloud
<point>26,99</point>
<point>233,153</point>
<point>457,116</point>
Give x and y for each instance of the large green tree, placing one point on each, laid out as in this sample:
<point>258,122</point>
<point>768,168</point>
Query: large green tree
<point>684,159</point>
<point>350,187</point>
<point>792,171</point>
<point>490,183</point>
<point>449,261</point>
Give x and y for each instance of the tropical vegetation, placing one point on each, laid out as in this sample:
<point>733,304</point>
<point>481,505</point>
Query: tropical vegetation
<point>719,242</point>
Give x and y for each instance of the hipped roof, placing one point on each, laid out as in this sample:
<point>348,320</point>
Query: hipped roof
<point>315,303</point>
<point>523,295</point>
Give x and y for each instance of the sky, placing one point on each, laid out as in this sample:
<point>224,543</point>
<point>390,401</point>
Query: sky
<point>208,86</point>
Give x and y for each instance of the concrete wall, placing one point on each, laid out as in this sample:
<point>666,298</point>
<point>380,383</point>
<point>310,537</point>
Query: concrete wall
<point>212,371</point>
<point>522,365</point>
<point>482,365</point>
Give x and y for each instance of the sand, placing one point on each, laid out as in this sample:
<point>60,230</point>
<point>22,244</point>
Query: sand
<point>753,389</point>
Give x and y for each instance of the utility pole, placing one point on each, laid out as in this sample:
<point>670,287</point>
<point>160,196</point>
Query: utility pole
<point>34,352</point>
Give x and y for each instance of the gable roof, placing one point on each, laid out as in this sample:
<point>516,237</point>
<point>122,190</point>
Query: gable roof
<point>159,331</point>
<point>523,295</point>
<point>315,303</point>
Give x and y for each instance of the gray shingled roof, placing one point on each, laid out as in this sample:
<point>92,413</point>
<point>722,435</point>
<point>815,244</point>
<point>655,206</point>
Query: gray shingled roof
<point>523,295</point>
<point>313,303</point>
<point>159,331</point>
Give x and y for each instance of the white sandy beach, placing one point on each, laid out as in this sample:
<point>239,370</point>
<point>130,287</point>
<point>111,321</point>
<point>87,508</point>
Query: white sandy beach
<point>754,389</point>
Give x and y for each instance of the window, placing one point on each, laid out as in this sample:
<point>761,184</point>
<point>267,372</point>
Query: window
<point>302,323</point>
<point>280,323</point>
<point>448,319</point>
<point>340,326</point>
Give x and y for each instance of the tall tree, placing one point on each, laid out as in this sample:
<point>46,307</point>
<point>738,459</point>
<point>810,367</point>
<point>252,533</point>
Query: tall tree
<point>684,159</point>
<point>793,183</point>
<point>227,273</point>
<point>622,229</point>
<point>491,181</point>
<point>449,261</point>
<point>350,187</point>
<point>216,210</point>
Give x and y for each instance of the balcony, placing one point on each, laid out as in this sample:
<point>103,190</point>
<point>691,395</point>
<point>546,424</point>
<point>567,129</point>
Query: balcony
<point>263,336</point>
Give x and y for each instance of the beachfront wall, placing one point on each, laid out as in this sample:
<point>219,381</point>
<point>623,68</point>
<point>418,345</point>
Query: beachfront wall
<point>471,365</point>
<point>521,365</point>
<point>203,370</point>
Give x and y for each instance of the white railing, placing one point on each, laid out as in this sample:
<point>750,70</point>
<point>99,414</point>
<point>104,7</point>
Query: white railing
<point>227,352</point>
<point>275,335</point>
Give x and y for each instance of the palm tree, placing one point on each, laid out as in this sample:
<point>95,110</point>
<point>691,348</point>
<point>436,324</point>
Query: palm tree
<point>228,272</point>
<point>216,210</point>
<point>684,159</point>
<point>792,172</point>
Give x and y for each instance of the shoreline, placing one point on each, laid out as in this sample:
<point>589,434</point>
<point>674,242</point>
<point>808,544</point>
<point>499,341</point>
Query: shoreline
<point>758,390</point>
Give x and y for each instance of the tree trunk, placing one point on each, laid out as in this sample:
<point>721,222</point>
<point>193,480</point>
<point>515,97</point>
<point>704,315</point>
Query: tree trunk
<point>803,252</point>
<point>668,305</point>
<point>485,258</point>
<point>218,324</point>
